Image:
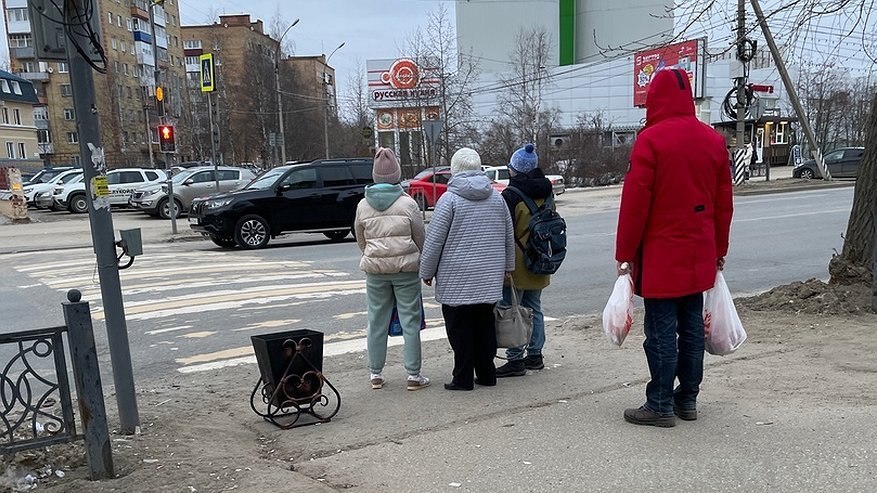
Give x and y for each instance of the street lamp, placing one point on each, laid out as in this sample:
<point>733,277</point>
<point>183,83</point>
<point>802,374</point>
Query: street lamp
<point>326,109</point>
<point>280,96</point>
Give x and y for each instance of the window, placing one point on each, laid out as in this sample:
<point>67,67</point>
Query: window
<point>123,46</point>
<point>63,67</point>
<point>114,43</point>
<point>5,114</point>
<point>66,90</point>
<point>16,87</point>
<point>192,44</point>
<point>779,135</point>
<point>4,85</point>
<point>130,25</point>
<point>10,150</point>
<point>72,138</point>
<point>120,177</point>
<point>442,178</point>
<point>192,60</point>
<point>336,176</point>
<point>22,152</point>
<point>69,114</point>
<point>18,15</point>
<point>119,20</point>
<point>229,175</point>
<point>126,70</point>
<point>20,40</point>
<point>834,156</point>
<point>853,153</point>
<point>110,17</point>
<point>362,174</point>
<point>43,137</point>
<point>202,177</point>
<point>300,179</point>
<point>16,116</point>
<point>150,175</point>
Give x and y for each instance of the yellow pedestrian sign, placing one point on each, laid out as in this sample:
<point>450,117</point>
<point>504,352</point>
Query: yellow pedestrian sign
<point>208,82</point>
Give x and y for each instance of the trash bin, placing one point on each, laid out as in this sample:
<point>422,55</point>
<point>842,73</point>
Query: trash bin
<point>273,355</point>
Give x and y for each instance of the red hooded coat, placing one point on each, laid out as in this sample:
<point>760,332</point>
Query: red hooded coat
<point>676,203</point>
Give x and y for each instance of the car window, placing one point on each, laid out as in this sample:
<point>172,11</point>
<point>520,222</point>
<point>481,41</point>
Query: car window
<point>834,156</point>
<point>120,177</point>
<point>68,177</point>
<point>203,177</point>
<point>151,175</point>
<point>265,180</point>
<point>362,174</point>
<point>228,175</point>
<point>503,174</point>
<point>853,153</point>
<point>336,176</point>
<point>442,178</point>
<point>300,178</point>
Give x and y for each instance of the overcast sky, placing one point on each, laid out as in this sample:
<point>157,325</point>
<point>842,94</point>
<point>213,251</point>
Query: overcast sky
<point>369,28</point>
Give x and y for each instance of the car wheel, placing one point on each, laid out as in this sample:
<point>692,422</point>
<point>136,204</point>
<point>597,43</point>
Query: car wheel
<point>164,209</point>
<point>807,174</point>
<point>223,241</point>
<point>421,201</point>
<point>337,235</point>
<point>251,232</point>
<point>78,204</point>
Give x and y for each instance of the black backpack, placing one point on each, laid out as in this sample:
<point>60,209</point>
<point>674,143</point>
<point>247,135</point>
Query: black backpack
<point>546,246</point>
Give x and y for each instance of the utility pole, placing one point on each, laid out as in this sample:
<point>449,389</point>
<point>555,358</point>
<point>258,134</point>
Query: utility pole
<point>159,105</point>
<point>741,93</point>
<point>279,94</point>
<point>790,89</point>
<point>326,91</point>
<point>102,235</point>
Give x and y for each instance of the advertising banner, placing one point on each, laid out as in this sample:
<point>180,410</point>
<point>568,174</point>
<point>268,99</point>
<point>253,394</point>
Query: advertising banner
<point>401,83</point>
<point>688,55</point>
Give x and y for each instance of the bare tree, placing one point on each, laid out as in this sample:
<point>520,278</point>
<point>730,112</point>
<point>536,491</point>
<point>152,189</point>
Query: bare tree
<point>520,103</point>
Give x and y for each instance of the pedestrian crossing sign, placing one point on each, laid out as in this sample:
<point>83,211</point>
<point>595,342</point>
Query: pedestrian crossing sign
<point>208,82</point>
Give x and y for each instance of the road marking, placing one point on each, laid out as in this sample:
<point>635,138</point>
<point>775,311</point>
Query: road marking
<point>243,355</point>
<point>348,316</point>
<point>198,335</point>
<point>169,329</point>
<point>268,324</point>
<point>786,216</point>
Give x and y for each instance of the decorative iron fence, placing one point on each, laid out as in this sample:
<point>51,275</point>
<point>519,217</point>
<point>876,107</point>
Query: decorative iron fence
<point>35,404</point>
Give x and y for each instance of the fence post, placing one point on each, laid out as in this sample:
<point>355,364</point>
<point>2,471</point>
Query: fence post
<point>89,391</point>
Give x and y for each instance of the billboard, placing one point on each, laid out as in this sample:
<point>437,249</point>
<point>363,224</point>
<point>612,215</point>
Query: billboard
<point>401,82</point>
<point>687,55</point>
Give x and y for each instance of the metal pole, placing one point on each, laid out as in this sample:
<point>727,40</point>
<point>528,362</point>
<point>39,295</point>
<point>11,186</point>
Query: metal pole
<point>741,80</point>
<point>790,89</point>
<point>212,132</point>
<point>103,239</point>
<point>279,95</point>
<point>326,92</point>
<point>89,389</point>
<point>159,108</point>
<point>149,137</point>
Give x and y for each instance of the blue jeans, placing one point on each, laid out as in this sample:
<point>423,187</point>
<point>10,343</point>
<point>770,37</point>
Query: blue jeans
<point>531,298</point>
<point>670,357</point>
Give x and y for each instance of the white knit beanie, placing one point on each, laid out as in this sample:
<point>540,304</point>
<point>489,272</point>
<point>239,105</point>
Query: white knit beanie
<point>465,159</point>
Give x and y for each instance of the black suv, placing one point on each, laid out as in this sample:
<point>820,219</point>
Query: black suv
<point>317,197</point>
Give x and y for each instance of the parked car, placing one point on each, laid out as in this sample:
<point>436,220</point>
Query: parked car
<point>31,190</point>
<point>500,174</point>
<point>46,174</point>
<point>317,197</point>
<point>420,188</point>
<point>841,163</point>
<point>121,183</point>
<point>61,193</point>
<point>188,185</point>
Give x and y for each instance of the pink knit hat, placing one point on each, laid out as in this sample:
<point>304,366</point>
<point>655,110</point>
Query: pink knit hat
<point>386,168</point>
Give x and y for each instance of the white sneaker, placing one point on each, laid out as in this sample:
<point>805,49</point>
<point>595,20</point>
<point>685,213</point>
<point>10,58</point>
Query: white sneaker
<point>377,380</point>
<point>417,382</point>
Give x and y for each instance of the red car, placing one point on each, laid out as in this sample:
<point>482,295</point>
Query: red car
<point>420,188</point>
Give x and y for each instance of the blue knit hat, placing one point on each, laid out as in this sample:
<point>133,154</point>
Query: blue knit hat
<point>524,159</point>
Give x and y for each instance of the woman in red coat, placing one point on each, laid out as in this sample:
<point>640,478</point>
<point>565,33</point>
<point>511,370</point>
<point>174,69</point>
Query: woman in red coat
<point>673,229</point>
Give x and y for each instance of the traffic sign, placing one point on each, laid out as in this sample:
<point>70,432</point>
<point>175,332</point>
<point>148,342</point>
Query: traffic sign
<point>166,138</point>
<point>367,132</point>
<point>432,129</point>
<point>208,82</point>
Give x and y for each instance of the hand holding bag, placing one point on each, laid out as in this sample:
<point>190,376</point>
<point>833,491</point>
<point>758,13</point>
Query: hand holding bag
<point>723,330</point>
<point>618,314</point>
<point>395,327</point>
<point>514,324</point>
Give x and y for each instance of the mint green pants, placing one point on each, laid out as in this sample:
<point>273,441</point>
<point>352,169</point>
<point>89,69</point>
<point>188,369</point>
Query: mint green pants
<point>382,290</point>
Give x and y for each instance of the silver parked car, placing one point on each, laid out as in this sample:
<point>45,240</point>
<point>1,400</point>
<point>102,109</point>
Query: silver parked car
<point>188,185</point>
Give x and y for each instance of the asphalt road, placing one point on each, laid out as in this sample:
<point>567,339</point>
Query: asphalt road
<point>194,304</point>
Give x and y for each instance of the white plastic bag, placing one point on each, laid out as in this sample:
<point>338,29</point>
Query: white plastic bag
<point>723,331</point>
<point>618,314</point>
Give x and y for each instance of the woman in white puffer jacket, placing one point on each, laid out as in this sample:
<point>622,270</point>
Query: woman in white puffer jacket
<point>390,232</point>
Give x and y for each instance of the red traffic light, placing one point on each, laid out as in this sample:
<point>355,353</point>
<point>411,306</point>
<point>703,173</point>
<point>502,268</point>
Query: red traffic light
<point>166,138</point>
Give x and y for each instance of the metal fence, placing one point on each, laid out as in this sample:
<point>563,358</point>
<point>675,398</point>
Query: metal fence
<point>36,408</point>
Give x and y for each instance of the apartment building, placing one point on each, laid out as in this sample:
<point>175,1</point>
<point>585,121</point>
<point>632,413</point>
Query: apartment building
<point>18,131</point>
<point>124,94</point>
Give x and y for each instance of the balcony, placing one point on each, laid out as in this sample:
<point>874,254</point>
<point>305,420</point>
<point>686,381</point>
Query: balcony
<point>46,148</point>
<point>142,37</point>
<point>140,8</point>
<point>41,124</point>
<point>22,53</point>
<point>160,18</point>
<point>19,27</point>
<point>34,76</point>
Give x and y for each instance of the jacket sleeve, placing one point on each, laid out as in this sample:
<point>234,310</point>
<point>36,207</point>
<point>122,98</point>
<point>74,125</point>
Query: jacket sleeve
<point>509,243</point>
<point>636,199</point>
<point>358,228</point>
<point>418,231</point>
<point>436,236</point>
<point>723,207</point>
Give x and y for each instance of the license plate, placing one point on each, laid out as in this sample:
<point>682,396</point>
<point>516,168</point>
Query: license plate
<point>194,220</point>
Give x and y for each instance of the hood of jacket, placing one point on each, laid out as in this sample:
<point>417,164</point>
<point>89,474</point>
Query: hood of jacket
<point>472,185</point>
<point>533,184</point>
<point>669,95</point>
<point>382,195</point>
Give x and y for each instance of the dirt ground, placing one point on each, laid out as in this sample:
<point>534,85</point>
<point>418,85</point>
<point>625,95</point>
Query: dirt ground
<point>199,434</point>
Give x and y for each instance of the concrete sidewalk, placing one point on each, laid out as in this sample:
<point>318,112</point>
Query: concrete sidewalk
<point>769,422</point>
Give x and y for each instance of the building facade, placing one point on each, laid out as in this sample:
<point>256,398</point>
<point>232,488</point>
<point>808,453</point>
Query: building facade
<point>18,131</point>
<point>124,95</point>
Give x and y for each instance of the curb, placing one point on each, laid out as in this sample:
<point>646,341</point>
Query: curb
<point>795,188</point>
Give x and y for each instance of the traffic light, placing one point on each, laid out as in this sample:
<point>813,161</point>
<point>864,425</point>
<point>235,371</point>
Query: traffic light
<point>166,138</point>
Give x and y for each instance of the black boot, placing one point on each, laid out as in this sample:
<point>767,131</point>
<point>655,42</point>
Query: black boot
<point>534,362</point>
<point>514,368</point>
